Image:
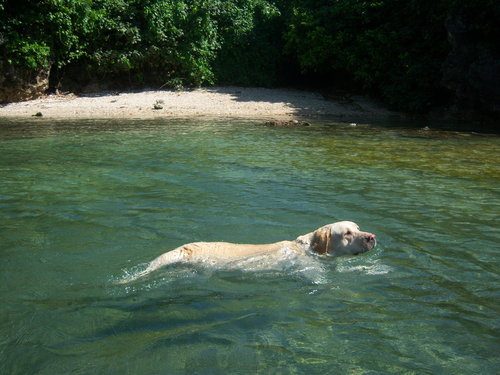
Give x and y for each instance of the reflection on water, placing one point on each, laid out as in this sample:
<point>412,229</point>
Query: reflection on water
<point>85,203</point>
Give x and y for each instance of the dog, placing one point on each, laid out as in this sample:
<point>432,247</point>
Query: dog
<point>339,238</point>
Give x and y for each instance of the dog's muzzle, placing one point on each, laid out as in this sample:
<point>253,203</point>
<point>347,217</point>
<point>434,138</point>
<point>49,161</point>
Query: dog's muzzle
<point>370,241</point>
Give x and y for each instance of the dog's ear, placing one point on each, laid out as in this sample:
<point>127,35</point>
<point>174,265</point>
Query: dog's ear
<point>321,240</point>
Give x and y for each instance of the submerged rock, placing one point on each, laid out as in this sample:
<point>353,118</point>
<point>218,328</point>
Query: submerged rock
<point>287,123</point>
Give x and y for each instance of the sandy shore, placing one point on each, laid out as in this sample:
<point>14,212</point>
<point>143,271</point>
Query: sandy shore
<point>231,102</point>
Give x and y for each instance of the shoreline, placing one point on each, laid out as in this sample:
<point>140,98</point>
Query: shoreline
<point>210,102</point>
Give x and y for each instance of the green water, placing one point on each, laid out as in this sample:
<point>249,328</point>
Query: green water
<point>84,204</point>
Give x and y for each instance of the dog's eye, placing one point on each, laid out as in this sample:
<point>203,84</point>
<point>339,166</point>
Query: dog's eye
<point>348,233</point>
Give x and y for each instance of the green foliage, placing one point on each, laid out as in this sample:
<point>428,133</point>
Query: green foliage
<point>31,54</point>
<point>151,40</point>
<point>19,47</point>
<point>250,33</point>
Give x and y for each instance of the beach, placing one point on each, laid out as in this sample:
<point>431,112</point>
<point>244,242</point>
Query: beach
<point>213,102</point>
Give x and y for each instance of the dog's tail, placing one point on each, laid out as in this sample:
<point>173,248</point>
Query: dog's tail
<point>174,256</point>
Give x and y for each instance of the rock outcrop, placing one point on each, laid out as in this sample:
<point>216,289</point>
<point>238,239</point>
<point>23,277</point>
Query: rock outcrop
<point>18,84</point>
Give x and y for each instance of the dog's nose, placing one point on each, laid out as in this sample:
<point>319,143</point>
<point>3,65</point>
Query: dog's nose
<point>370,237</point>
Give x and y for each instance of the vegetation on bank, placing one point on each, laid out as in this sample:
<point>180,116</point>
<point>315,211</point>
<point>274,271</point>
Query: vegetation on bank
<point>414,55</point>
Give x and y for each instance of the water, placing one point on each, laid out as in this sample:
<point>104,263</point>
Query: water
<point>86,203</point>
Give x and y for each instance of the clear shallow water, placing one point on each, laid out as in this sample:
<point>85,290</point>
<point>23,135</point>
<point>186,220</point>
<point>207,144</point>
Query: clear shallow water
<point>83,204</point>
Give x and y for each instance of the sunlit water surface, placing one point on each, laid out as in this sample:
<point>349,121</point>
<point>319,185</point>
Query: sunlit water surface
<point>85,204</point>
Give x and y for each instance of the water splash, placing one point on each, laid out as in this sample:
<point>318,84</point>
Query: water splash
<point>370,264</point>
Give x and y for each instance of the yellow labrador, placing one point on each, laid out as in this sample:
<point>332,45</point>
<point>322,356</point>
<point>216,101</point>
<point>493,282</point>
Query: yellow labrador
<point>339,238</point>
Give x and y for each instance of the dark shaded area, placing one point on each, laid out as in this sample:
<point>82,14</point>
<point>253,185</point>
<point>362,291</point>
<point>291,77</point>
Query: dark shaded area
<point>438,58</point>
<point>472,68</point>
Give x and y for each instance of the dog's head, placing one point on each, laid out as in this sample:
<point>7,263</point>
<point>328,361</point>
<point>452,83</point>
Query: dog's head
<point>340,238</point>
